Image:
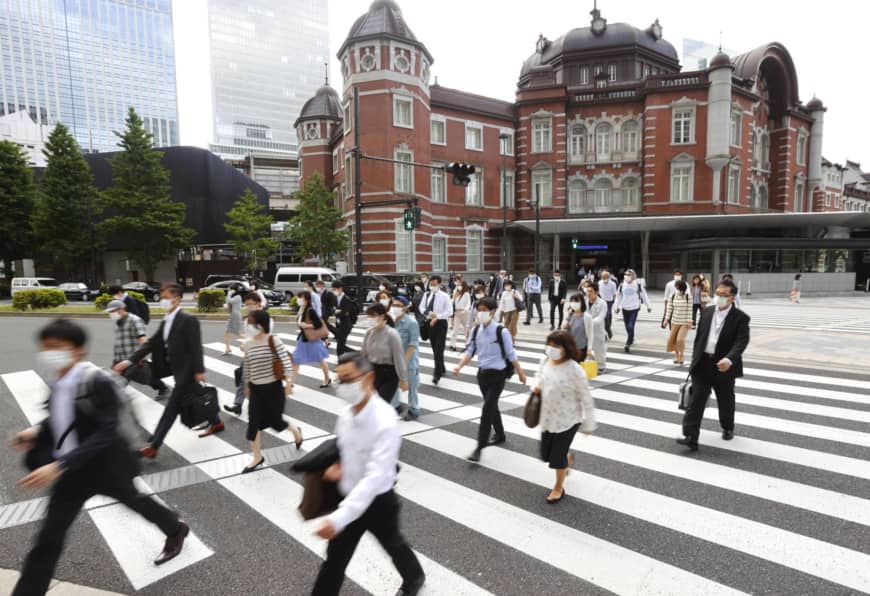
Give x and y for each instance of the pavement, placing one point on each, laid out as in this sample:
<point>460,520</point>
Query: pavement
<point>783,508</point>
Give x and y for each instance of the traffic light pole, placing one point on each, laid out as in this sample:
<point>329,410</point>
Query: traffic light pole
<point>357,192</point>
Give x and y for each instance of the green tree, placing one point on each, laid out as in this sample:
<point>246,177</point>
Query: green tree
<point>66,207</point>
<point>143,220</point>
<point>16,205</point>
<point>313,229</point>
<point>250,229</point>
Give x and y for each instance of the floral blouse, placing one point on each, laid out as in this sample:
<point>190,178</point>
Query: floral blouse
<point>565,397</point>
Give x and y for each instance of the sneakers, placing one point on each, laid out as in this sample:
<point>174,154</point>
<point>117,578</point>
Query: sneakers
<point>410,416</point>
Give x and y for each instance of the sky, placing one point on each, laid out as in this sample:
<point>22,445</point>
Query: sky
<point>480,45</point>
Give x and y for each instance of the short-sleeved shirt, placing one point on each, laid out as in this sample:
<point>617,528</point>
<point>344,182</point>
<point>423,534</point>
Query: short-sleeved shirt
<point>127,333</point>
<point>485,346</point>
<point>409,332</point>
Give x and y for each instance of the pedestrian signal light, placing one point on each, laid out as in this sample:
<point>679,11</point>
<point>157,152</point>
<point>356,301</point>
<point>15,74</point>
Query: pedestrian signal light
<point>410,219</point>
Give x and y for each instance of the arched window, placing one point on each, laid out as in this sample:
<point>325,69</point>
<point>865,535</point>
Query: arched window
<point>603,191</point>
<point>764,157</point>
<point>577,202</point>
<point>603,143</point>
<point>578,141</point>
<point>631,194</point>
<point>756,150</point>
<point>753,197</point>
<point>630,137</point>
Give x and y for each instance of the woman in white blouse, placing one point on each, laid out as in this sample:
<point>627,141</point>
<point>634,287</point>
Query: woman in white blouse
<point>566,402</point>
<point>461,304</point>
<point>507,306</point>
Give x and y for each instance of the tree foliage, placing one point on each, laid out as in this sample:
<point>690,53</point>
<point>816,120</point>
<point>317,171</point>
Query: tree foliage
<point>250,230</point>
<point>142,218</point>
<point>16,205</point>
<point>66,207</point>
<point>314,228</point>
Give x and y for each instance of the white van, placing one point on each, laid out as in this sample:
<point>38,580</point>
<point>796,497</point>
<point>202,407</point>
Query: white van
<point>32,283</point>
<point>290,279</point>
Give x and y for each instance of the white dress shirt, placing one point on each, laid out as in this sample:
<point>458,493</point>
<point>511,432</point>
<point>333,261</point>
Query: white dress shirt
<point>715,329</point>
<point>607,290</point>
<point>62,409</point>
<point>368,443</point>
<point>167,324</point>
<point>316,304</point>
<point>442,306</point>
<point>670,289</point>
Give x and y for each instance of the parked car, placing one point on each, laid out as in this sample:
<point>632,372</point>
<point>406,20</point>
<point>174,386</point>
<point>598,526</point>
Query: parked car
<point>216,277</point>
<point>76,290</point>
<point>32,283</point>
<point>273,297</point>
<point>371,283</point>
<point>150,290</point>
<point>290,279</point>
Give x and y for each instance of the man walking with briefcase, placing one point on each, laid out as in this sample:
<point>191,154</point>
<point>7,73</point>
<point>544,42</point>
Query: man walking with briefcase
<point>176,349</point>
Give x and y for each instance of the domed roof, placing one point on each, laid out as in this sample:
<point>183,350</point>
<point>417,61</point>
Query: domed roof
<point>324,105</point>
<point>719,60</point>
<point>815,104</point>
<point>383,20</point>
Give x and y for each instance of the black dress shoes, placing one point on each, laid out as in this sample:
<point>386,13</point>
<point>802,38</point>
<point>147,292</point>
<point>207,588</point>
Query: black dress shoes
<point>413,588</point>
<point>475,455</point>
<point>497,440</point>
<point>233,409</point>
<point>727,434</point>
<point>249,469</point>
<point>174,544</point>
<point>692,444</point>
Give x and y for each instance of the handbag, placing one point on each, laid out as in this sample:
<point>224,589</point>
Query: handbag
<point>424,330</point>
<point>199,406</point>
<point>312,334</point>
<point>685,393</point>
<point>532,411</point>
<point>590,367</point>
<point>519,302</point>
<point>277,365</point>
<point>140,373</point>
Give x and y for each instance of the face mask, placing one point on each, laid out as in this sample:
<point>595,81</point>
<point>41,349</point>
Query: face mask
<point>115,316</point>
<point>478,296</point>
<point>575,306</point>
<point>253,308</point>
<point>508,288</point>
<point>386,302</point>
<point>382,288</point>
<point>553,353</point>
<point>166,304</point>
<point>678,277</point>
<point>351,392</point>
<point>301,303</point>
<point>396,312</point>
<point>484,317</point>
<point>337,293</point>
<point>252,330</point>
<point>433,288</point>
<point>721,302</point>
<point>51,362</point>
<point>375,321</point>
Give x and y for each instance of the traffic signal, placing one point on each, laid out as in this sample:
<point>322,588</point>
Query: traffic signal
<point>461,173</point>
<point>412,218</point>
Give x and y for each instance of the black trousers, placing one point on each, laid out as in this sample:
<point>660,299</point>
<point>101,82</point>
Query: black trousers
<point>438,341</point>
<point>533,300</point>
<point>341,332</point>
<point>696,308</point>
<point>608,320</point>
<point>491,383</point>
<point>706,378</point>
<point>382,520</point>
<point>67,498</point>
<point>386,381</point>
<point>556,306</point>
<point>171,411</point>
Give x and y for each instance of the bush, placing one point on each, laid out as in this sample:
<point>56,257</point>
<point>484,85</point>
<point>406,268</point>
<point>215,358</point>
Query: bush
<point>211,300</point>
<point>36,299</point>
<point>293,303</point>
<point>102,301</point>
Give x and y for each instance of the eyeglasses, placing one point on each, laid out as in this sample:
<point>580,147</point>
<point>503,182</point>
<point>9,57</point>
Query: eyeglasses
<point>351,380</point>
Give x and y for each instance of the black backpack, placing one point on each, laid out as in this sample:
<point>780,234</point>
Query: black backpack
<point>138,308</point>
<point>508,365</point>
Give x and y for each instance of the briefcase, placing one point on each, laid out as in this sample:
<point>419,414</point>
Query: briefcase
<point>140,373</point>
<point>318,496</point>
<point>685,394</point>
<point>199,406</point>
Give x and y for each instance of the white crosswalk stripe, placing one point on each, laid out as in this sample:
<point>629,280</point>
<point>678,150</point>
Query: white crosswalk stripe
<point>775,499</point>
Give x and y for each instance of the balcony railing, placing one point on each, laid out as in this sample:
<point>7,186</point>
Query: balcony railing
<point>617,203</point>
<point>600,158</point>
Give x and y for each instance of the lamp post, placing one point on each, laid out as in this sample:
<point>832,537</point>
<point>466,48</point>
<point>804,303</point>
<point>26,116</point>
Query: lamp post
<point>503,137</point>
<point>535,203</point>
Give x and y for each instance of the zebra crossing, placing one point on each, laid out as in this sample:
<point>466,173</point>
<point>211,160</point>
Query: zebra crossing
<point>782,508</point>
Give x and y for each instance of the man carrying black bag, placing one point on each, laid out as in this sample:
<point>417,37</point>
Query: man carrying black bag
<point>176,349</point>
<point>129,336</point>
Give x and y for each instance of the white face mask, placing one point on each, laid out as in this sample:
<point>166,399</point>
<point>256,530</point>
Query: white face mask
<point>51,362</point>
<point>375,321</point>
<point>301,304</point>
<point>479,296</point>
<point>575,306</point>
<point>433,288</point>
<point>115,316</point>
<point>351,392</point>
<point>167,304</point>
<point>396,312</point>
<point>678,277</point>
<point>484,317</point>
<point>386,302</point>
<point>721,302</point>
<point>553,353</point>
<point>252,330</point>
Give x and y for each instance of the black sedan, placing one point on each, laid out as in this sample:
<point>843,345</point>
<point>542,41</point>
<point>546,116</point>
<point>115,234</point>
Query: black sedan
<point>150,291</point>
<point>78,291</point>
<point>273,298</point>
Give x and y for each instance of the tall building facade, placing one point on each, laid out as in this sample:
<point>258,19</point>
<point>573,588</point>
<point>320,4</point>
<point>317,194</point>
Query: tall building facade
<point>610,156</point>
<point>267,58</point>
<point>85,62</point>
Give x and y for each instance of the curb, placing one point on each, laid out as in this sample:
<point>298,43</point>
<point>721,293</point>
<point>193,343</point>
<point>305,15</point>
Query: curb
<point>8,577</point>
<point>284,318</point>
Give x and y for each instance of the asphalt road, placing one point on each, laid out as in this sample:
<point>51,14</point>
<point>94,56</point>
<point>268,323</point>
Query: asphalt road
<point>781,509</point>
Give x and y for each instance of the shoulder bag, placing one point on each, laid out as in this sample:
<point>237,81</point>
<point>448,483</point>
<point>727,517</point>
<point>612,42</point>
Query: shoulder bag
<point>685,393</point>
<point>277,364</point>
<point>314,334</point>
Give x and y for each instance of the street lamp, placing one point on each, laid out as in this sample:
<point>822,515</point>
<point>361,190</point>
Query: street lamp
<point>535,204</point>
<point>503,137</point>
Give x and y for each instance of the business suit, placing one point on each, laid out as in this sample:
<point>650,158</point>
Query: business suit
<point>101,463</point>
<point>328,304</point>
<point>733,339</point>
<point>557,292</point>
<point>181,356</point>
<point>346,313</point>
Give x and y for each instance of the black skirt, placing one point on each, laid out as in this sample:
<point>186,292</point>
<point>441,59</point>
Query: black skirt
<point>386,381</point>
<point>266,409</point>
<point>555,446</point>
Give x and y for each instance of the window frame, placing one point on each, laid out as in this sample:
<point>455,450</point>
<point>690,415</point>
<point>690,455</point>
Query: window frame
<point>545,131</point>
<point>478,233</point>
<point>510,184</point>
<point>473,126</point>
<point>584,137</point>
<point>546,198</point>
<point>601,126</point>
<point>409,101</point>
<point>733,194</point>
<point>584,75</point>
<point>735,128</point>
<point>433,120</point>
<point>635,135</point>
<point>505,144</point>
<point>438,171</point>
<point>635,191</point>
<point>686,115</point>
<point>577,192</point>
<point>398,167</point>
<point>476,182</point>
<point>798,199</point>
<point>442,253</point>
<point>602,197</point>
<point>611,72</point>
<point>682,164</point>
<point>801,149</point>
<point>399,232</point>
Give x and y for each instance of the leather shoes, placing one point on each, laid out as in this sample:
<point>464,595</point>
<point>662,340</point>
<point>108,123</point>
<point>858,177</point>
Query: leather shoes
<point>249,469</point>
<point>475,455</point>
<point>727,434</point>
<point>214,428</point>
<point>413,588</point>
<point>172,547</point>
<point>497,440</point>
<point>690,443</point>
<point>148,451</point>
<point>233,409</point>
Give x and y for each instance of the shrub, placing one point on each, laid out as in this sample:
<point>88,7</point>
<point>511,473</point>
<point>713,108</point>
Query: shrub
<point>102,301</point>
<point>36,299</point>
<point>293,303</point>
<point>211,300</point>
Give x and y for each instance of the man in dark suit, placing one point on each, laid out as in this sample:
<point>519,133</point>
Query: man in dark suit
<point>79,450</point>
<point>717,360</point>
<point>346,313</point>
<point>176,350</point>
<point>328,304</point>
<point>557,292</point>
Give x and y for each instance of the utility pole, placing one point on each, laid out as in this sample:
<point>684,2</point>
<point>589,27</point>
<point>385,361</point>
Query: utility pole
<point>357,193</point>
<point>537,206</point>
<point>504,241</point>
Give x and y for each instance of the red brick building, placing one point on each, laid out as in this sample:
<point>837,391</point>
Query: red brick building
<point>631,161</point>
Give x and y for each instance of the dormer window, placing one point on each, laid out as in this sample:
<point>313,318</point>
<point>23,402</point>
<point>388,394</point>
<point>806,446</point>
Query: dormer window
<point>367,62</point>
<point>611,72</point>
<point>584,75</point>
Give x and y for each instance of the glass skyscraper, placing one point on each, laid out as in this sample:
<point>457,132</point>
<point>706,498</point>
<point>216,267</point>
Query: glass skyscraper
<point>267,58</point>
<point>85,62</point>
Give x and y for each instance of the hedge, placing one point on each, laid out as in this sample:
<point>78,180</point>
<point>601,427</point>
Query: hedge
<point>36,299</point>
<point>211,300</point>
<point>102,301</point>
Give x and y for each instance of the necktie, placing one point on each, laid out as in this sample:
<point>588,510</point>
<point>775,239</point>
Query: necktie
<point>431,304</point>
